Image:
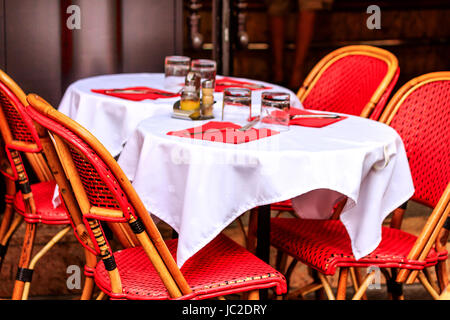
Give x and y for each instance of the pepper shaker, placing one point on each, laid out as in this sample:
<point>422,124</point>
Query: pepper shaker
<point>207,98</point>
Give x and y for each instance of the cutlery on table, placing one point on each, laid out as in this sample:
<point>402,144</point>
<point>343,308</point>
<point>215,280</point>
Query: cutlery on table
<point>317,116</point>
<point>248,125</point>
<point>140,91</point>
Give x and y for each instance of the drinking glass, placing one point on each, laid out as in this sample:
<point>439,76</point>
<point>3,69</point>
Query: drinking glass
<point>206,68</point>
<point>237,103</point>
<point>275,110</point>
<point>176,68</point>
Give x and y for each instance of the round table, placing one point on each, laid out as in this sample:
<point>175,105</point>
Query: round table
<point>112,120</point>
<point>199,187</point>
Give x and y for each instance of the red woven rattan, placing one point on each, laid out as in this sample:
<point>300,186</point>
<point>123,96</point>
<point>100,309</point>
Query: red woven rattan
<point>423,123</point>
<point>45,211</point>
<point>97,191</point>
<point>220,267</point>
<point>23,134</point>
<point>347,85</point>
<point>19,123</point>
<point>325,245</point>
<point>19,130</point>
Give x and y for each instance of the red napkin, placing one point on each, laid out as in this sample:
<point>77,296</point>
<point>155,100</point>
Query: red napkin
<point>153,95</point>
<point>226,82</point>
<point>225,132</point>
<point>311,122</point>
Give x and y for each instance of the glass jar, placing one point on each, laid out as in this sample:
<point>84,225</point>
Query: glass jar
<point>190,99</point>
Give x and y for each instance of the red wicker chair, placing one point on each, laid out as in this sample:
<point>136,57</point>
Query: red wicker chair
<point>419,113</point>
<point>355,80</point>
<point>32,202</point>
<point>147,269</point>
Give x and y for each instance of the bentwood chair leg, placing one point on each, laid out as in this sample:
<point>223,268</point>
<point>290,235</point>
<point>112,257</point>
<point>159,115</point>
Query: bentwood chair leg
<point>342,284</point>
<point>355,282</point>
<point>358,278</point>
<point>101,296</point>
<point>445,294</point>
<point>23,273</point>
<point>250,295</point>
<point>39,255</point>
<point>326,286</point>
<point>430,280</point>
<point>442,275</point>
<point>424,280</point>
<point>88,288</point>
<point>253,295</point>
<point>363,287</point>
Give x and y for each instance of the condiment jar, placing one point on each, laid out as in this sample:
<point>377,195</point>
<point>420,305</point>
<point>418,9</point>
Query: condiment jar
<point>207,98</point>
<point>190,98</point>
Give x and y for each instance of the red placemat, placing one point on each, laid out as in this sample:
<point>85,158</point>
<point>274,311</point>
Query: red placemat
<point>226,82</point>
<point>311,122</point>
<point>146,93</point>
<point>225,132</point>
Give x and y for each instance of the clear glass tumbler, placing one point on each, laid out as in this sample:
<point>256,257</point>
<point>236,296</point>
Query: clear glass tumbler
<point>176,68</point>
<point>237,103</point>
<point>275,110</point>
<point>206,68</point>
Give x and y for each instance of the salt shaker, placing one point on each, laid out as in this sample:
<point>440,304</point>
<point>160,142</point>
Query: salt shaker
<point>207,98</point>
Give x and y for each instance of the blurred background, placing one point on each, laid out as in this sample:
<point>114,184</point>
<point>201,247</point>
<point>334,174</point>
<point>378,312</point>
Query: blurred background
<point>249,39</point>
<point>43,55</point>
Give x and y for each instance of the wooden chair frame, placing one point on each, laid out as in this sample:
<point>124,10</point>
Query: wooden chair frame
<point>14,170</point>
<point>328,60</point>
<point>429,235</point>
<point>146,235</point>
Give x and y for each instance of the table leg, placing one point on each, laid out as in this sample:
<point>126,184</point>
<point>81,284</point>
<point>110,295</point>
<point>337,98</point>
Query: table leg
<point>263,233</point>
<point>263,243</point>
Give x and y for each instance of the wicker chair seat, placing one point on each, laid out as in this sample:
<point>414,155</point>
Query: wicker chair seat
<point>325,245</point>
<point>45,211</point>
<point>221,267</point>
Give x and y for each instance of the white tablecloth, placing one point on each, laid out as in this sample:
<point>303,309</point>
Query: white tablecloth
<point>112,120</point>
<point>199,187</point>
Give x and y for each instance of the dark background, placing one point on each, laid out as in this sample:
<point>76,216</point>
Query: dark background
<point>417,32</point>
<point>43,56</point>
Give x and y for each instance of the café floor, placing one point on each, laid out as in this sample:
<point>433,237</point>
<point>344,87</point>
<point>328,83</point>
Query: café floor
<point>50,277</point>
